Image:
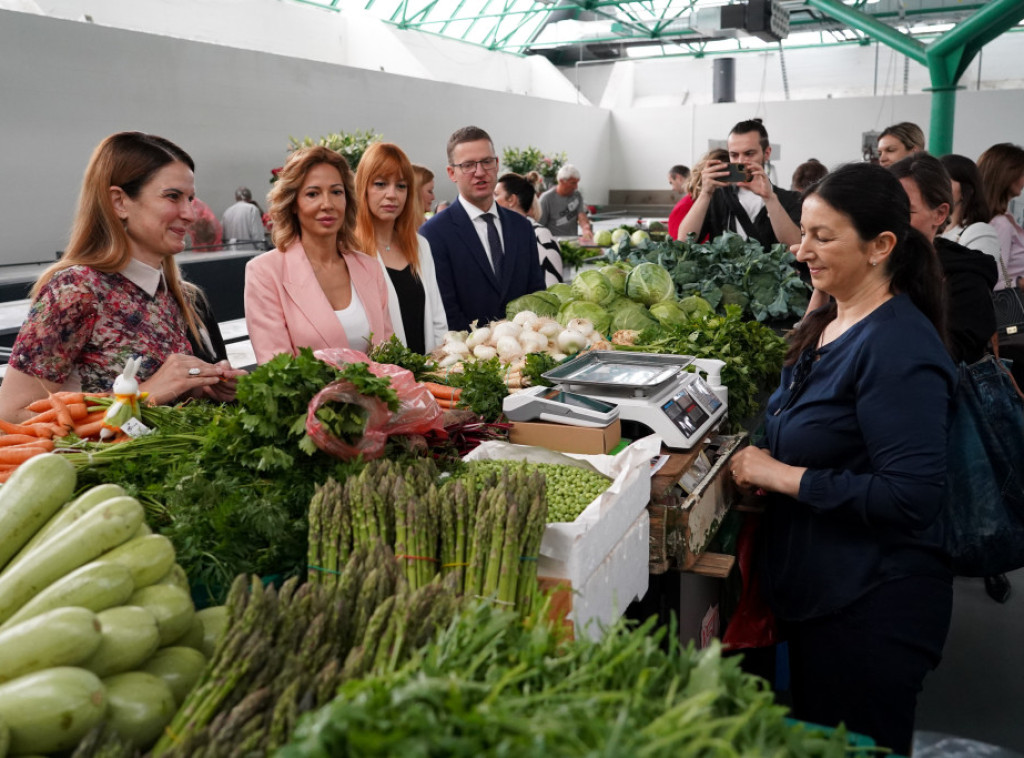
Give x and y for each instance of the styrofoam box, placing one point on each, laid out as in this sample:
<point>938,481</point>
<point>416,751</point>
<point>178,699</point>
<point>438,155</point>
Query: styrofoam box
<point>573,551</point>
<point>619,579</point>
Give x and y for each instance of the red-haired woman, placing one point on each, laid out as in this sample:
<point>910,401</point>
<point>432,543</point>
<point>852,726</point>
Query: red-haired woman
<point>386,225</point>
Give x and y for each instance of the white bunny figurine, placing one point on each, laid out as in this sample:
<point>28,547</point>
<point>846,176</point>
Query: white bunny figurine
<point>126,399</point>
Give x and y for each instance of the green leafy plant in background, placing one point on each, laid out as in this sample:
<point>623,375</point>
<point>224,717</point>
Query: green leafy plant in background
<point>351,145</point>
<point>521,161</point>
<point>530,158</point>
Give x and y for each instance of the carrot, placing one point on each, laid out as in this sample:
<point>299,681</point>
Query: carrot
<point>444,403</point>
<point>46,417</point>
<point>64,419</point>
<point>89,429</point>
<point>91,416</point>
<point>44,445</point>
<point>7,440</point>
<point>44,404</point>
<point>20,453</point>
<point>8,428</point>
<point>443,390</point>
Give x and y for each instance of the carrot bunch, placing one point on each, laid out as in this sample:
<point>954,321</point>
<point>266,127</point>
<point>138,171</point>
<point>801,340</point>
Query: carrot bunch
<point>57,415</point>
<point>446,397</point>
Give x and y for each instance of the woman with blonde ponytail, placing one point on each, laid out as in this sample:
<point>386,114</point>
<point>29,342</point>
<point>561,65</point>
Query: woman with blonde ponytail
<point>117,291</point>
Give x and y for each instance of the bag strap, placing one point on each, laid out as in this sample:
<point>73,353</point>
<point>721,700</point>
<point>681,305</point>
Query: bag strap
<point>740,213</point>
<point>999,362</point>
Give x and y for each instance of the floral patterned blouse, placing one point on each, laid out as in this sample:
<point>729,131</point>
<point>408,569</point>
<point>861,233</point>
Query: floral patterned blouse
<point>85,324</point>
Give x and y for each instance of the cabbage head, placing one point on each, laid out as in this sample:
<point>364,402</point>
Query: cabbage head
<point>551,297</point>
<point>669,313</point>
<point>633,316</point>
<point>695,305</point>
<point>616,276</point>
<point>562,291</point>
<point>531,302</point>
<point>649,283</point>
<point>598,316</point>
<point>593,286</point>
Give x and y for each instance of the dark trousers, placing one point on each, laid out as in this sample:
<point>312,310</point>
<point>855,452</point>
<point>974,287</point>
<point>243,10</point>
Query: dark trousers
<point>864,666</point>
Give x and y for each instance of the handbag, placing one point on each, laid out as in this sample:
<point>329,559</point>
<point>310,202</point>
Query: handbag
<point>981,522</point>
<point>1008,305</point>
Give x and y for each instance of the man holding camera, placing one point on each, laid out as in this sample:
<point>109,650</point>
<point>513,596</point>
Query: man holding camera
<point>738,196</point>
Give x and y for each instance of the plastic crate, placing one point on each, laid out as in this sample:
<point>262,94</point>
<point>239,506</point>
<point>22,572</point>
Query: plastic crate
<point>852,738</point>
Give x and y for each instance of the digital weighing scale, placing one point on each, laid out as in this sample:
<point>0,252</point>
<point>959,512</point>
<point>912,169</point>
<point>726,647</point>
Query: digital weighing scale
<point>655,391</point>
<point>553,404</point>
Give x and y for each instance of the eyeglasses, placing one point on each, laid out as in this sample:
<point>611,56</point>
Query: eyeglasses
<point>469,167</point>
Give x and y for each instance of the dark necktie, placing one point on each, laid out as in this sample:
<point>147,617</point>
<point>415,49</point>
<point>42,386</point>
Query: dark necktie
<point>494,241</point>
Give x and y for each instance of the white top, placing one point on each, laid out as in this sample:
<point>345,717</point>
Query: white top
<point>1011,248</point>
<point>354,322</point>
<point>979,236</point>
<point>435,321</point>
<point>752,203</point>
<point>477,217</point>
<point>242,221</point>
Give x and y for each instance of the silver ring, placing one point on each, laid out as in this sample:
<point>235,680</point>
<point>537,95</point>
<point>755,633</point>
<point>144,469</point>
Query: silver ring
<point>194,371</point>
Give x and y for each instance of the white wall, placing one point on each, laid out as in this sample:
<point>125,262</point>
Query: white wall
<point>647,141</point>
<point>66,85</point>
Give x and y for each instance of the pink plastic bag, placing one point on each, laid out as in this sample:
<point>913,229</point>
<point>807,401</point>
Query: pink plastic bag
<point>418,413</point>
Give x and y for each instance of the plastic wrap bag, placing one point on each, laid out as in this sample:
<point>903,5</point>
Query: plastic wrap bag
<point>753,623</point>
<point>418,412</point>
<point>370,444</point>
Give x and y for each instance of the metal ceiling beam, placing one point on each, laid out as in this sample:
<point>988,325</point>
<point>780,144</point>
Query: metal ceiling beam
<point>946,58</point>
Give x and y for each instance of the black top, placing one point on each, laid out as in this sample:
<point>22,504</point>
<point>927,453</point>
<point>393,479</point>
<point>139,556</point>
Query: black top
<point>412,300</point>
<point>970,277</point>
<point>725,208</point>
<point>867,414</point>
<point>209,320</point>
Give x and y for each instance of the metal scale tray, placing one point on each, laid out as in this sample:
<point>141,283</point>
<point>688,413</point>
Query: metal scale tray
<point>614,372</point>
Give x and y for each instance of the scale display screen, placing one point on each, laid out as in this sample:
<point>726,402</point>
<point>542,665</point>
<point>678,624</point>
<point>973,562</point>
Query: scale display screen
<point>579,401</point>
<point>685,413</point>
<point>704,395</point>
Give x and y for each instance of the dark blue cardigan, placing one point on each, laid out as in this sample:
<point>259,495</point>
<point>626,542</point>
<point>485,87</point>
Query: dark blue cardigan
<point>867,415</point>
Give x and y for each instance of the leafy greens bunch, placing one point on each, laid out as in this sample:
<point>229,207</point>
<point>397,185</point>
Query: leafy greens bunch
<point>230,484</point>
<point>728,270</point>
<point>488,685</point>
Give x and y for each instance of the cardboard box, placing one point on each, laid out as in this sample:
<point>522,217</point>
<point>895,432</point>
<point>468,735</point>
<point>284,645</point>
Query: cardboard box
<point>589,607</point>
<point>587,440</point>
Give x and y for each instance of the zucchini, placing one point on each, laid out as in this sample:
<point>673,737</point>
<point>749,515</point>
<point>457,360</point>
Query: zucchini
<point>68,514</point>
<point>148,558</point>
<point>36,489</point>
<point>176,576</point>
<point>144,529</point>
<point>193,638</point>
<point>128,637</point>
<point>96,586</point>
<point>179,667</point>
<point>62,637</point>
<point>5,738</point>
<point>171,606</point>
<point>215,621</point>
<point>49,711</point>
<point>141,705</point>
<point>101,529</point>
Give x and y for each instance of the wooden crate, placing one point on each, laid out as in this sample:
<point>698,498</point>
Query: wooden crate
<point>682,525</point>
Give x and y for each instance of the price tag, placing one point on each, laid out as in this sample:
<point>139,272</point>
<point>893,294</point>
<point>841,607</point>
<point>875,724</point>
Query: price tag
<point>135,428</point>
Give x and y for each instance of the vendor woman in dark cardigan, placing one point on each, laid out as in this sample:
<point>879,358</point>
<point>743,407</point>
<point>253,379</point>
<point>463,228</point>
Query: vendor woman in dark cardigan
<point>855,464</point>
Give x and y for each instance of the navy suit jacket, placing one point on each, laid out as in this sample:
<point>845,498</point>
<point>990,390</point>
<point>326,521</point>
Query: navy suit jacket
<point>469,288</point>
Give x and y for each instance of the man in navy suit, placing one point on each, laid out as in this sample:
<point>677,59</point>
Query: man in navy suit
<point>485,255</point>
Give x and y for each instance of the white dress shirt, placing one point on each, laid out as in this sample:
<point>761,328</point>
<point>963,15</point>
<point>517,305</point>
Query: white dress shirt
<point>477,217</point>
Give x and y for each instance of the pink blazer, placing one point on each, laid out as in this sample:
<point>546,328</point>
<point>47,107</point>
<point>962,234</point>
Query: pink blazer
<point>286,309</point>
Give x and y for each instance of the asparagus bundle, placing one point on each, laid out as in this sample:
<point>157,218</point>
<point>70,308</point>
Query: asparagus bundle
<point>481,531</point>
<point>286,651</point>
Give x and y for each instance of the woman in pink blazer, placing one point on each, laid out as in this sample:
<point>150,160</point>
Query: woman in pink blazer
<point>314,290</point>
